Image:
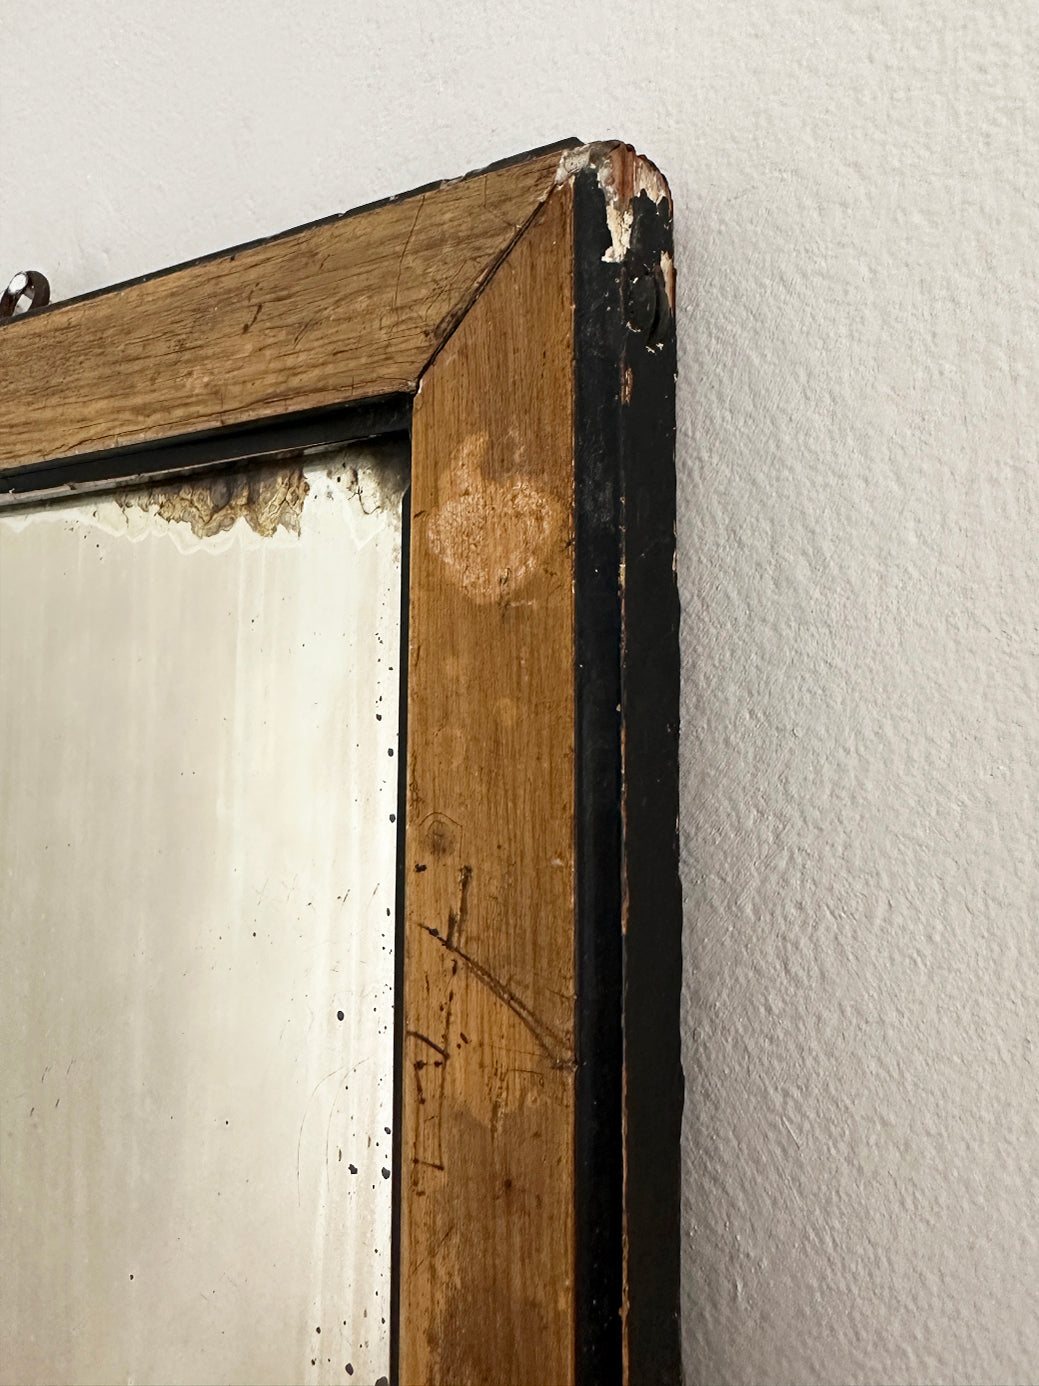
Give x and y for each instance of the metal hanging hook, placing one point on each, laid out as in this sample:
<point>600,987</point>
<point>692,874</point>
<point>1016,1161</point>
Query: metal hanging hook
<point>30,284</point>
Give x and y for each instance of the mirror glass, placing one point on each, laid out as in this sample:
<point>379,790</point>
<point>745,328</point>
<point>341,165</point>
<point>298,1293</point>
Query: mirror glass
<point>198,847</point>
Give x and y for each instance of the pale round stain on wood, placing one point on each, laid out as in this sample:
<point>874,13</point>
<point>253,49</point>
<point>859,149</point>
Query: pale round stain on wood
<point>491,535</point>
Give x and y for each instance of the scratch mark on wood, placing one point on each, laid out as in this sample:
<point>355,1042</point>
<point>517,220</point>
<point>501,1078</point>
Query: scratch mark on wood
<point>434,1251</point>
<point>554,1046</point>
<point>414,1034</point>
<point>404,249</point>
<point>456,919</point>
<point>429,1132</point>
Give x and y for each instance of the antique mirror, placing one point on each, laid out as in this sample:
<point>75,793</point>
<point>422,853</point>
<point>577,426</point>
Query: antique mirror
<point>338,753</point>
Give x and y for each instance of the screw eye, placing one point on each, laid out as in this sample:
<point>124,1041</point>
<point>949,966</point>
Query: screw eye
<point>649,311</point>
<point>27,291</point>
<point>643,309</point>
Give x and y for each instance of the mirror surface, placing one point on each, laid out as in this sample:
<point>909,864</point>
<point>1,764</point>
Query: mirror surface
<point>198,791</point>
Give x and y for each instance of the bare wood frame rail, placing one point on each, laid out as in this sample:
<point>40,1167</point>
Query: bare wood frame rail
<point>519,322</point>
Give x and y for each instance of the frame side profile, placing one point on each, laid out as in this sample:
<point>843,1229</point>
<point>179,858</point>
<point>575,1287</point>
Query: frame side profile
<point>628,916</point>
<point>626,335</point>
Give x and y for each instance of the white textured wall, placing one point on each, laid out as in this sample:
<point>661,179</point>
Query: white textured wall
<point>858,199</point>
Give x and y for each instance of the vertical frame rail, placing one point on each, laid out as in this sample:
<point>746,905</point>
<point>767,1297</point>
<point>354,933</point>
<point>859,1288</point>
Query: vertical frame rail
<point>523,316</point>
<point>541,1075</point>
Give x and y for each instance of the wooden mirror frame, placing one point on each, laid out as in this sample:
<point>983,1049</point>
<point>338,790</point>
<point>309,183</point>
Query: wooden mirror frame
<point>519,323</point>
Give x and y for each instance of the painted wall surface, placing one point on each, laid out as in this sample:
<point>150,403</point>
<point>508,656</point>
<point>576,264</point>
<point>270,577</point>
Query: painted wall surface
<point>858,213</point>
<point>198,720</point>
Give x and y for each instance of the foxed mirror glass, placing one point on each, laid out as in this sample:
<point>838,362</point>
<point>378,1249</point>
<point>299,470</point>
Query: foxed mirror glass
<point>199,684</point>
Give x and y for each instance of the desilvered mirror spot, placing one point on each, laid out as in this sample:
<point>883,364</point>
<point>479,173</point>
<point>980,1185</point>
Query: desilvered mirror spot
<point>198,690</point>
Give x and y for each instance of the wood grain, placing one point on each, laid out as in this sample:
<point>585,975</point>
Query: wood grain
<point>334,313</point>
<point>487,1202</point>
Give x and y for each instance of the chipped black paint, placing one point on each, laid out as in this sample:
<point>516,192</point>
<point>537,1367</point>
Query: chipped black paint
<point>628,946</point>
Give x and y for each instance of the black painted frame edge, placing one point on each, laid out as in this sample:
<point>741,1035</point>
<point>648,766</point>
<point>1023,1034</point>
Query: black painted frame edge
<point>628,892</point>
<point>598,1141</point>
<point>654,1085</point>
